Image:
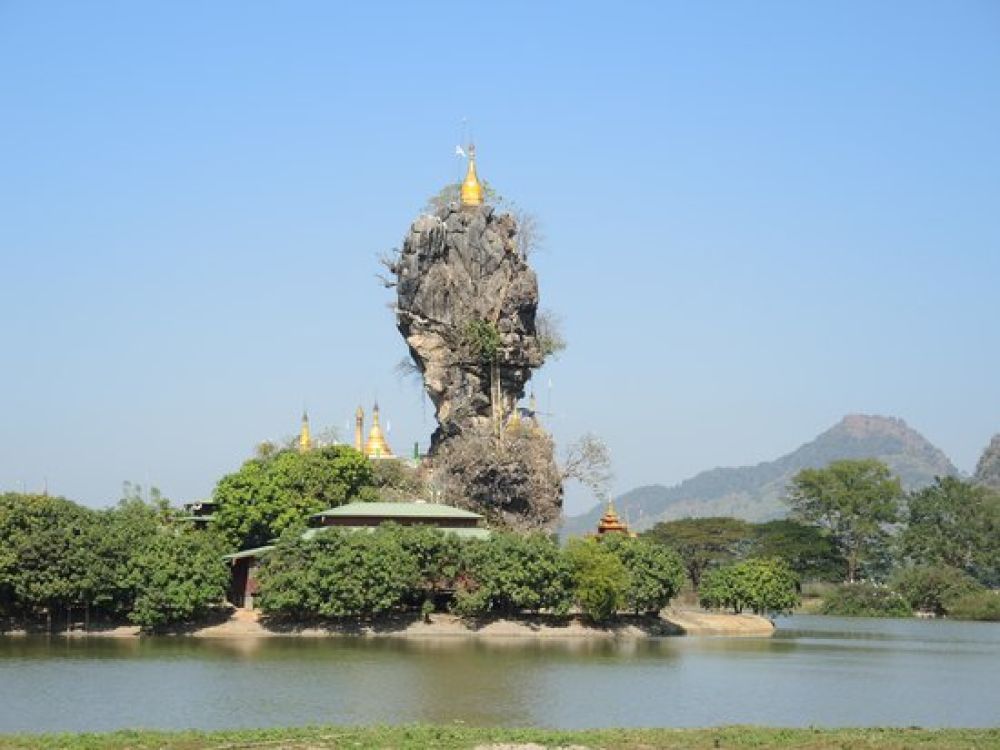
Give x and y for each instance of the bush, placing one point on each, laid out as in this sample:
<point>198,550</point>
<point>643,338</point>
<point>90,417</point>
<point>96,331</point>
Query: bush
<point>865,600</point>
<point>513,573</point>
<point>981,605</point>
<point>338,574</point>
<point>763,586</point>
<point>656,573</point>
<point>600,579</point>
<point>933,588</point>
<point>178,577</point>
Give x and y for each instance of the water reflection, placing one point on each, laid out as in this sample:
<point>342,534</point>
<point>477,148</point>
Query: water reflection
<point>822,671</point>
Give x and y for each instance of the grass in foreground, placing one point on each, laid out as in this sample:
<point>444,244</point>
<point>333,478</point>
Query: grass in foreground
<point>455,737</point>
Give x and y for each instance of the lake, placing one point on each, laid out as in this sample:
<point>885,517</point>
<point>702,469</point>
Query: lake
<point>821,671</point>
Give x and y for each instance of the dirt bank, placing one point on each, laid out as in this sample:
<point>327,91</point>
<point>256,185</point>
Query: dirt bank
<point>672,622</point>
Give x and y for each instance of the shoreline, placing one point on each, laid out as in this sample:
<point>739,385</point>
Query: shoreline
<point>250,624</point>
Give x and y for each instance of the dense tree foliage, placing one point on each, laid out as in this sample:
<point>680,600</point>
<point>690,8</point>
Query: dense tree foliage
<point>933,588</point>
<point>704,542</point>
<point>854,500</point>
<point>45,563</point>
<point>272,493</point>
<point>807,550</point>
<point>131,562</point>
<point>600,579</point>
<point>655,572</point>
<point>514,573</point>
<point>956,524</point>
<point>177,577</point>
<point>865,599</point>
<point>762,586</point>
<point>337,574</point>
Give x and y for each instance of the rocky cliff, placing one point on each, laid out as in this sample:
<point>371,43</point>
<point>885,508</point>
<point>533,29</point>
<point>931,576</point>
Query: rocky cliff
<point>466,305</point>
<point>988,468</point>
<point>755,492</point>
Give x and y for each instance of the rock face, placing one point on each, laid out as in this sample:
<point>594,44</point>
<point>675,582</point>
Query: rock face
<point>755,492</point>
<point>466,306</point>
<point>460,278</point>
<point>988,468</point>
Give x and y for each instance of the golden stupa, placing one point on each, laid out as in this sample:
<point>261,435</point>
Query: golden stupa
<point>377,447</point>
<point>610,522</point>
<point>472,190</point>
<point>305,439</point>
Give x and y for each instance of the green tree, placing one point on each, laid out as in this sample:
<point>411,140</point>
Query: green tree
<point>115,539</point>
<point>933,588</point>
<point>513,573</point>
<point>808,550</point>
<point>338,574</point>
<point>45,559</point>
<point>704,542</point>
<point>600,579</point>
<point>957,524</point>
<point>270,494</point>
<point>177,577</point>
<point>656,573</point>
<point>438,555</point>
<point>855,500</point>
<point>762,586</point>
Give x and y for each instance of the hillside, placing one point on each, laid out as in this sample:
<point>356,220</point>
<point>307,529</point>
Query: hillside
<point>988,468</point>
<point>755,492</point>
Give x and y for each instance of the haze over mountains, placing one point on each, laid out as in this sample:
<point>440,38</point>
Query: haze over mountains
<point>755,492</point>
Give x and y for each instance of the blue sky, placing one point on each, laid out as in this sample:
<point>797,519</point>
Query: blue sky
<point>758,217</point>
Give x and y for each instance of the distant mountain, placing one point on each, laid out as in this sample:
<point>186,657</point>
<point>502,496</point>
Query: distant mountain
<point>755,492</point>
<point>988,468</point>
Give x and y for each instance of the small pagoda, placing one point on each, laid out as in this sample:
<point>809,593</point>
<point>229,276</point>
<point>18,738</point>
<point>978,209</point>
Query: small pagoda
<point>610,523</point>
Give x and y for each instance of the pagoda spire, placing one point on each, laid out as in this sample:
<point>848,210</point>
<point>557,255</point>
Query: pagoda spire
<point>359,430</point>
<point>305,439</point>
<point>377,447</point>
<point>472,189</point>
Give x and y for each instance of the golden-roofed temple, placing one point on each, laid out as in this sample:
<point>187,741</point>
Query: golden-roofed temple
<point>610,523</point>
<point>472,189</point>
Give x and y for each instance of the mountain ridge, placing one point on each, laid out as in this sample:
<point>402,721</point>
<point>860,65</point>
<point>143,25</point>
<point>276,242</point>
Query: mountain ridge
<point>754,492</point>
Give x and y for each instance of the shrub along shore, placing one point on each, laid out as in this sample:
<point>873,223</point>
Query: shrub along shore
<point>459,737</point>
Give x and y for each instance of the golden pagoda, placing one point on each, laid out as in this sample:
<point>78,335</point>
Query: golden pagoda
<point>610,523</point>
<point>472,190</point>
<point>305,439</point>
<point>377,447</point>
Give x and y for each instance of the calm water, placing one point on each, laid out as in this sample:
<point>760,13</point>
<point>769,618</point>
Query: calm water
<point>815,671</point>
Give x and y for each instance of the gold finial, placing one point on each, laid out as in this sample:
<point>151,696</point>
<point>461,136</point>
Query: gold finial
<point>305,440</point>
<point>377,447</point>
<point>472,190</point>
<point>359,429</point>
